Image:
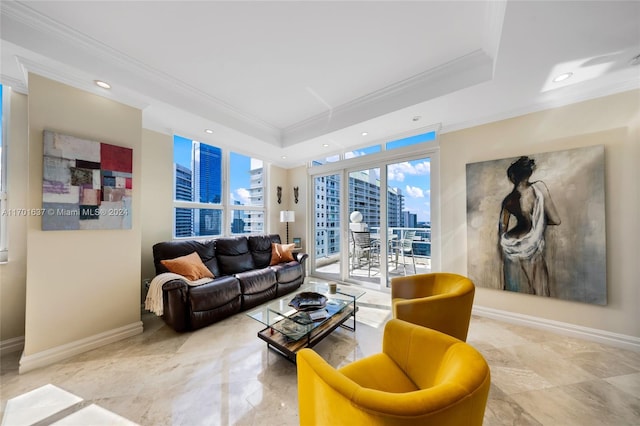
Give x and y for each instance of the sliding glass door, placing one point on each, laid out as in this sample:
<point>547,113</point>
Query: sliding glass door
<point>409,217</point>
<point>327,226</point>
<point>363,227</point>
<point>375,217</point>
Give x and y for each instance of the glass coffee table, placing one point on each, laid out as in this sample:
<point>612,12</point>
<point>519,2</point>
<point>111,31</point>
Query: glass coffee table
<point>289,329</point>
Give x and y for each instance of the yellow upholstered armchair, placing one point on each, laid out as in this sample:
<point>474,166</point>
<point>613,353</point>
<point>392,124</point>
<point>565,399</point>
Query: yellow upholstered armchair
<point>422,377</point>
<point>440,301</point>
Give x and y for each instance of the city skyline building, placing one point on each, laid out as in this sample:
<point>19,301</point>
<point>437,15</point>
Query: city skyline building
<point>207,164</point>
<point>183,192</point>
<point>364,196</point>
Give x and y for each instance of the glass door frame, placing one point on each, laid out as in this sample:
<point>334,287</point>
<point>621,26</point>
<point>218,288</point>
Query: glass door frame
<point>378,160</point>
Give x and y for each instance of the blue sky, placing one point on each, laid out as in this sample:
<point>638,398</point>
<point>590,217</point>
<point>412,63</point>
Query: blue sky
<point>414,179</point>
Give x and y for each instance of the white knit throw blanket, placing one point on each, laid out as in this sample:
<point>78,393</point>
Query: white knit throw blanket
<point>153,302</point>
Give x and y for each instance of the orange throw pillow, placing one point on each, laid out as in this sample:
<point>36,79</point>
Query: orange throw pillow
<point>281,253</point>
<point>189,266</point>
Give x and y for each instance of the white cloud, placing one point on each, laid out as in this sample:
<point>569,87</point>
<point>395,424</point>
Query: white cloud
<point>414,191</point>
<point>399,170</point>
<point>242,194</point>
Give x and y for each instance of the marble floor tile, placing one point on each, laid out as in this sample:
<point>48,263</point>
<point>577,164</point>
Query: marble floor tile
<point>593,402</point>
<point>629,383</point>
<point>224,375</point>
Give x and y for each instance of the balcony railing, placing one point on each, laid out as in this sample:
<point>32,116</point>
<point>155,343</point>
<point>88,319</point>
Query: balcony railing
<point>399,262</point>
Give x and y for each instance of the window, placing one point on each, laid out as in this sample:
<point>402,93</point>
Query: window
<point>393,193</point>
<point>246,181</point>
<point>198,188</point>
<point>411,140</point>
<point>374,149</point>
<point>201,198</point>
<point>3,174</point>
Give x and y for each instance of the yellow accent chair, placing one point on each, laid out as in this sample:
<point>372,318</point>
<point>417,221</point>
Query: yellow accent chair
<point>422,377</point>
<point>441,301</point>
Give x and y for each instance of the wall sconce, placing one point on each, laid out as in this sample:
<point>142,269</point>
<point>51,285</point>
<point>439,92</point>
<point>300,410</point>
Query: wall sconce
<point>279,192</point>
<point>295,194</point>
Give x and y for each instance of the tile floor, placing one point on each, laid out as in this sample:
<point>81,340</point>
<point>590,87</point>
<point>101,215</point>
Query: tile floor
<point>224,375</point>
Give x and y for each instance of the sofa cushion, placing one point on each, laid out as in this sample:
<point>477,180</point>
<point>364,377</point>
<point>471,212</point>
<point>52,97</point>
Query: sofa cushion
<point>189,266</point>
<point>212,295</point>
<point>257,281</point>
<point>260,248</point>
<point>173,249</point>
<point>281,253</point>
<point>287,272</point>
<point>233,255</point>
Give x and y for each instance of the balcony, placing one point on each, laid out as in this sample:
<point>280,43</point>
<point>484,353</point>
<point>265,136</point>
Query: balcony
<point>365,267</point>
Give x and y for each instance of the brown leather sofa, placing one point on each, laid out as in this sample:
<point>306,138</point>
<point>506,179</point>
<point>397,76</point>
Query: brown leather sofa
<point>243,278</point>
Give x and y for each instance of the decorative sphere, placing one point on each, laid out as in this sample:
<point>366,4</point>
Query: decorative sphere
<point>356,217</point>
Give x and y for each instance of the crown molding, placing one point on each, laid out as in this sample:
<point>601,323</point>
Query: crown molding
<point>23,14</point>
<point>16,84</point>
<point>612,89</point>
<point>470,69</point>
<point>74,79</point>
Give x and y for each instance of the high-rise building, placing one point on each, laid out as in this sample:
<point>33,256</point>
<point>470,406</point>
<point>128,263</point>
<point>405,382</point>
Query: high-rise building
<point>254,220</point>
<point>364,196</point>
<point>410,219</point>
<point>207,185</point>
<point>207,168</point>
<point>184,192</point>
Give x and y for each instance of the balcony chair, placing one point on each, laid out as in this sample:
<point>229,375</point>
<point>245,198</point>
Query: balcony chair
<point>404,246</point>
<point>422,377</point>
<point>440,301</point>
<point>364,246</point>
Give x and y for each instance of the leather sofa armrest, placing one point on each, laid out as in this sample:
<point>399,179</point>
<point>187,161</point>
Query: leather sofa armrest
<point>301,257</point>
<point>175,305</point>
<point>174,284</point>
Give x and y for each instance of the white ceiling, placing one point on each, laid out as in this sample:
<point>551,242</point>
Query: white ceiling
<point>284,78</point>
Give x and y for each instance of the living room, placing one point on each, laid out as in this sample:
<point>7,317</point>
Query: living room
<point>67,293</point>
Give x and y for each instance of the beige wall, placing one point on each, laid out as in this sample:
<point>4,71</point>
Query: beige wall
<point>612,121</point>
<point>157,195</point>
<point>13,275</point>
<point>298,177</point>
<point>277,177</point>
<point>80,284</point>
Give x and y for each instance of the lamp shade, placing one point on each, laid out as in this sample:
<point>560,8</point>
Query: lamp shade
<point>287,216</point>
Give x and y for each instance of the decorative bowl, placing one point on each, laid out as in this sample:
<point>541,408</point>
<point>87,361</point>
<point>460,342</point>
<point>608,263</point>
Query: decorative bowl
<point>308,301</point>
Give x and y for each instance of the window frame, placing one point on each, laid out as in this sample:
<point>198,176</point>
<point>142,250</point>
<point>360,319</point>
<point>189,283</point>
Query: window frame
<point>381,159</point>
<point>226,207</point>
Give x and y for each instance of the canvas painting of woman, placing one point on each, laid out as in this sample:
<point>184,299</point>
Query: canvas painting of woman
<point>535,224</point>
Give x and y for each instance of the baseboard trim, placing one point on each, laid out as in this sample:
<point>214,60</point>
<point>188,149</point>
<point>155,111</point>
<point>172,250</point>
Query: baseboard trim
<point>15,344</point>
<point>50,356</point>
<point>593,334</point>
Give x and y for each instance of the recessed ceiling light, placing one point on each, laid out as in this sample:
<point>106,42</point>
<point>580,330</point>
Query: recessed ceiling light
<point>102,84</point>
<point>209,131</point>
<point>325,145</point>
<point>562,77</point>
<point>416,118</point>
<point>365,133</point>
<point>284,157</point>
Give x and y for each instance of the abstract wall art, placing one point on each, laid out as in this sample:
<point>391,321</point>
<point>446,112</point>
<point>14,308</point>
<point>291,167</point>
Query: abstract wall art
<point>536,224</point>
<point>86,184</point>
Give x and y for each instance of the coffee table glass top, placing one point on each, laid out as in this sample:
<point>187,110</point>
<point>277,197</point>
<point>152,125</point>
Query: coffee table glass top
<point>295,324</point>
